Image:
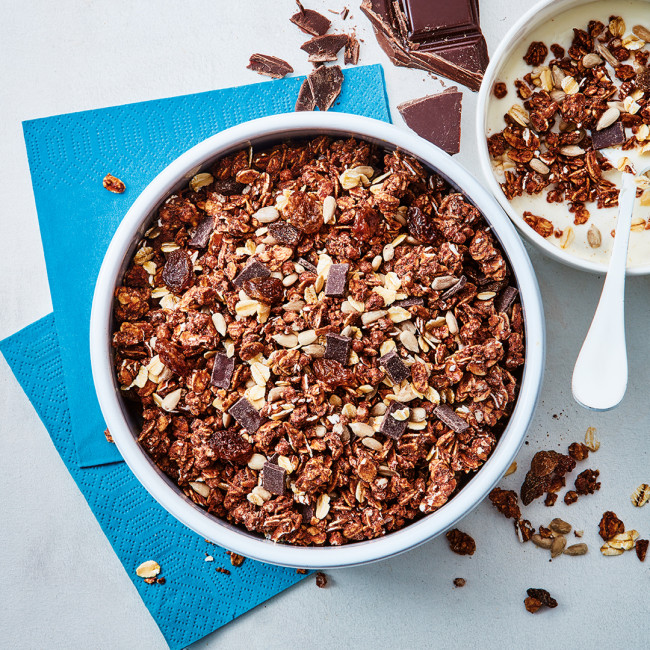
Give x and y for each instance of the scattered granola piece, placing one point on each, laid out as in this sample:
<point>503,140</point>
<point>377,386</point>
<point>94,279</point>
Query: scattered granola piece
<point>109,437</point>
<point>302,572</point>
<point>459,582</point>
<point>161,580</point>
<point>550,499</point>
<point>235,559</point>
<point>512,469</point>
<point>570,497</point>
<point>461,543</point>
<point>610,525</point>
<point>220,569</point>
<point>538,598</point>
<point>500,90</point>
<point>148,569</point>
<point>505,501</point>
<point>113,184</point>
<point>321,580</point>
<point>270,66</point>
<point>546,474</point>
<point>578,451</point>
<point>208,558</point>
<point>641,495</point>
<point>641,548</point>
<point>586,483</point>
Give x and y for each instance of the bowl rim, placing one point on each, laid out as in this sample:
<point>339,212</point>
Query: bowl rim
<point>223,533</point>
<point>538,13</point>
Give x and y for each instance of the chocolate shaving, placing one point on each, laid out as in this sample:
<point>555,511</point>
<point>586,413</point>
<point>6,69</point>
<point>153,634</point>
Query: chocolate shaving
<point>222,371</point>
<point>409,302</point>
<point>395,367</point>
<point>351,55</point>
<point>246,414</point>
<point>273,479</point>
<point>338,348</point>
<point>201,235</point>
<point>447,416</point>
<point>457,288</point>
<point>324,48</point>
<point>310,21</point>
<point>305,101</point>
<point>609,137</point>
<point>269,66</point>
<point>253,269</point>
<point>325,84</point>
<point>307,265</point>
<point>390,426</point>
<point>505,299</point>
<point>337,280</point>
<point>436,118</point>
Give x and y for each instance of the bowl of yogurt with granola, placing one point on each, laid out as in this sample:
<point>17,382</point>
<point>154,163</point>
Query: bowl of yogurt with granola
<point>564,112</point>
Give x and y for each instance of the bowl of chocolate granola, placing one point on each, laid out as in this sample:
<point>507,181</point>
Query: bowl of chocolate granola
<point>316,340</point>
<point>563,113</point>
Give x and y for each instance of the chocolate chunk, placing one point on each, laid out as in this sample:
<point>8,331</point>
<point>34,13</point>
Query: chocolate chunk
<point>351,56</point>
<point>305,101</point>
<point>325,84</point>
<point>609,137</point>
<point>253,269</point>
<point>438,36</point>
<point>306,512</point>
<point>457,288</point>
<point>436,118</point>
<point>227,186</point>
<point>307,265</point>
<point>395,367</point>
<point>273,479</point>
<point>270,66</point>
<point>409,302</point>
<point>447,416</point>
<point>284,233</point>
<point>246,414</point>
<point>337,280</point>
<point>222,371</point>
<point>390,426</point>
<point>324,48</point>
<point>505,299</point>
<point>338,348</point>
<point>310,21</point>
<point>202,233</point>
<point>178,272</point>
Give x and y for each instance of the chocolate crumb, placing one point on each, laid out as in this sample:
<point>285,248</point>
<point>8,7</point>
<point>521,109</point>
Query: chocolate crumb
<point>351,55</point>
<point>390,426</point>
<point>253,269</point>
<point>456,288</point>
<point>222,371</point>
<point>246,414</point>
<point>459,582</point>
<point>641,548</point>
<point>220,569</point>
<point>337,280</point>
<point>202,233</point>
<point>321,580</point>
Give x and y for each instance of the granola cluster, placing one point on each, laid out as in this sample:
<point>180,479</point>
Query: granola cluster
<point>594,95</point>
<point>321,340</point>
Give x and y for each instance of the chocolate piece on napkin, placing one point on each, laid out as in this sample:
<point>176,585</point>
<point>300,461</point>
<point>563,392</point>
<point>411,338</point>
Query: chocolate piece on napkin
<point>322,49</point>
<point>391,426</point>
<point>325,84</point>
<point>305,101</point>
<point>447,416</point>
<point>439,36</point>
<point>270,66</point>
<point>310,21</point>
<point>436,118</point>
<point>246,414</point>
<point>222,371</point>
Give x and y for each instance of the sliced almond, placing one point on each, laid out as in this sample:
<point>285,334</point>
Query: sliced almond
<point>608,118</point>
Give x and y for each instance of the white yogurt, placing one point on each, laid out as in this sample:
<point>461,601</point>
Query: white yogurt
<point>574,241</point>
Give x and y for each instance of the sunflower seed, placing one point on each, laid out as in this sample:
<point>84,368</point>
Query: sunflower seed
<point>542,542</point>
<point>537,165</point>
<point>560,526</point>
<point>576,549</point>
<point>329,209</point>
<point>267,214</point>
<point>558,545</point>
<point>594,237</point>
<point>512,469</point>
<point>591,60</point>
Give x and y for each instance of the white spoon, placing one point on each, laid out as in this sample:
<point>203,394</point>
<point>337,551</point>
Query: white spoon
<point>600,373</point>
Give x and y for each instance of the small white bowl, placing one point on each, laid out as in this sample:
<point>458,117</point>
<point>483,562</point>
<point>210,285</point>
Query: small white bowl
<point>524,30</point>
<point>259,133</point>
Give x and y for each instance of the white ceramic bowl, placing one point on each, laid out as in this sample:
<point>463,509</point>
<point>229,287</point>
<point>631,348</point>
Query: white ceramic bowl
<point>263,132</point>
<point>524,29</point>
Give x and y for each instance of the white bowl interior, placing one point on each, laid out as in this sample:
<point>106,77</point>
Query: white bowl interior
<point>524,29</point>
<point>260,133</point>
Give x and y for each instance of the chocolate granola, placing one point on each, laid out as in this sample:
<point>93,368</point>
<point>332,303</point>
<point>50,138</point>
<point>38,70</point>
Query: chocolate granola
<point>263,324</point>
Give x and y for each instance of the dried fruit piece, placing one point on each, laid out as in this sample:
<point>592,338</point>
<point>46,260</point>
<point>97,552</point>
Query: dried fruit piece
<point>229,445</point>
<point>420,226</point>
<point>268,290</point>
<point>113,184</point>
<point>178,272</point>
<point>461,543</point>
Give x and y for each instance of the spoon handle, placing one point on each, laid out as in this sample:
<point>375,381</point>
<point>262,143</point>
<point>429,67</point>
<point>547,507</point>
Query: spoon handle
<point>600,373</point>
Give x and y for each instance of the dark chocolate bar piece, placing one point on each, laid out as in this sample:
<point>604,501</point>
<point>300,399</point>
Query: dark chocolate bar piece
<point>390,426</point>
<point>436,118</point>
<point>222,371</point>
<point>457,288</point>
<point>338,348</point>
<point>246,414</point>
<point>269,66</point>
<point>306,512</point>
<point>305,101</point>
<point>284,233</point>
<point>227,186</point>
<point>310,21</point>
<point>325,83</point>
<point>273,478</point>
<point>337,280</point>
<point>609,137</point>
<point>322,49</point>
<point>395,367</point>
<point>409,302</point>
<point>253,269</point>
<point>201,235</point>
<point>447,416</point>
<point>505,299</point>
<point>307,265</point>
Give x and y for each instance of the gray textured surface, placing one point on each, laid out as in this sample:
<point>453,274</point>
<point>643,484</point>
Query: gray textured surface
<point>62,585</point>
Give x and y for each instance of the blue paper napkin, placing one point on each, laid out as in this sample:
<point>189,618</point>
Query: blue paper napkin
<point>195,599</point>
<point>69,155</point>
